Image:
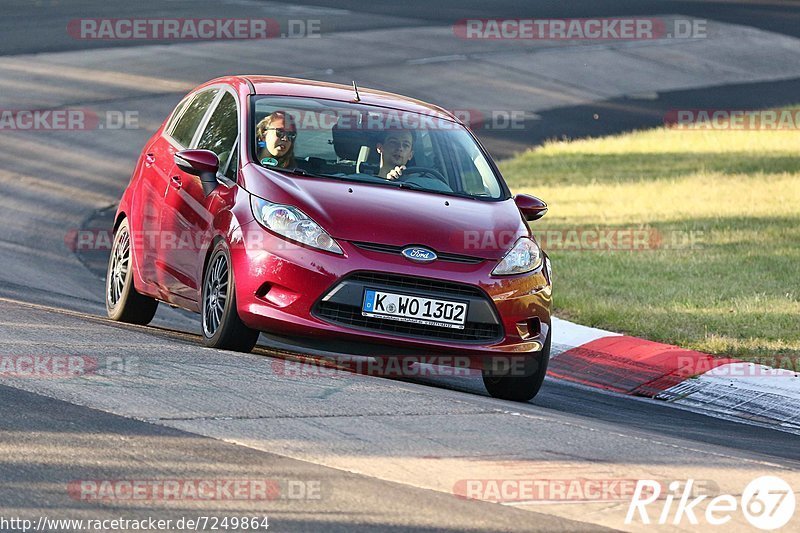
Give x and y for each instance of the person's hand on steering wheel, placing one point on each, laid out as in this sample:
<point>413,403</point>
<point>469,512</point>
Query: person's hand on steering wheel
<point>406,174</point>
<point>396,172</point>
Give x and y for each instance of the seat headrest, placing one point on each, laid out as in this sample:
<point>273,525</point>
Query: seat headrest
<point>349,137</point>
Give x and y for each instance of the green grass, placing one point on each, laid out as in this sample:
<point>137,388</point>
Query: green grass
<point>735,292</point>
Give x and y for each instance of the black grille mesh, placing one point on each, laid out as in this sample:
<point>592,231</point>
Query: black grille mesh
<point>350,315</point>
<point>413,283</point>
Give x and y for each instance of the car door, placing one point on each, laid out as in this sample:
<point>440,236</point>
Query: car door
<point>155,166</point>
<point>167,239</point>
<point>186,213</point>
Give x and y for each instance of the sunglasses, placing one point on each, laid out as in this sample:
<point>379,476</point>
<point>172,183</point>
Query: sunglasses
<point>283,134</point>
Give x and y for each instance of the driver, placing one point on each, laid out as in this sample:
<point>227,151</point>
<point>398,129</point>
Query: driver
<point>396,149</point>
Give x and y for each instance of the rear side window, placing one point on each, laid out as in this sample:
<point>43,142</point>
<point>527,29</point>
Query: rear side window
<point>184,129</point>
<point>222,129</point>
<point>177,113</point>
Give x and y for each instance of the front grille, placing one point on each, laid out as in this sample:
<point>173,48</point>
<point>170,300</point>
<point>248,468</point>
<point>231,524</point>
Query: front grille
<point>349,313</point>
<point>397,250</point>
<point>409,283</point>
<point>351,316</point>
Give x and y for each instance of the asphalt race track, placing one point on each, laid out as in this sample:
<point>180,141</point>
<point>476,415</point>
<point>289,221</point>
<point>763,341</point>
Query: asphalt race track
<point>371,453</point>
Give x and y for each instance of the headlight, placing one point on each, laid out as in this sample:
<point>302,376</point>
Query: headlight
<point>290,222</point>
<point>523,257</point>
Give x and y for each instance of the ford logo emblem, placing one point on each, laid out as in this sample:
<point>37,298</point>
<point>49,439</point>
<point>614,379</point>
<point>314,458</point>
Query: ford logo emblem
<point>420,255</point>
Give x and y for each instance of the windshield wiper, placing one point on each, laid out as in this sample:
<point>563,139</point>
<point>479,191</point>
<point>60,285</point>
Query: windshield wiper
<point>294,170</point>
<point>303,172</point>
<point>418,187</point>
<point>297,171</point>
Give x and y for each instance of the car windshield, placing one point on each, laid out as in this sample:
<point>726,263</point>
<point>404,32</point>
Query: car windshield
<point>356,142</point>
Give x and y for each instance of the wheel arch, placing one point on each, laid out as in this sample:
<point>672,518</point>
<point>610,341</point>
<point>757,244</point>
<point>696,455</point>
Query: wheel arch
<point>207,258</point>
<point>121,215</point>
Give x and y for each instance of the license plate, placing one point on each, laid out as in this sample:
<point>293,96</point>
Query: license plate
<point>415,309</point>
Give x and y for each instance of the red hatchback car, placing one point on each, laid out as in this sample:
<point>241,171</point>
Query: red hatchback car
<point>355,217</point>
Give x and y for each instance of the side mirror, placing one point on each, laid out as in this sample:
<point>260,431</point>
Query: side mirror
<point>203,163</point>
<point>532,208</point>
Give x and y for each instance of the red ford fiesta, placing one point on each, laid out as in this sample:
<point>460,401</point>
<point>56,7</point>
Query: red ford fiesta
<point>319,211</point>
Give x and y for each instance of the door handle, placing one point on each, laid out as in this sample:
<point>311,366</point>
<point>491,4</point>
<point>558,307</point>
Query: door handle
<point>149,159</point>
<point>176,182</point>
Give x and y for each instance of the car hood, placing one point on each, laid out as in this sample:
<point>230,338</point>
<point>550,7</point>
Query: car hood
<point>381,214</point>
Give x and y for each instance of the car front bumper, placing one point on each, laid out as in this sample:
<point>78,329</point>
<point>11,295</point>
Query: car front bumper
<point>296,291</point>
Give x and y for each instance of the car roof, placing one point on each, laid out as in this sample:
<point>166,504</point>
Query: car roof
<point>281,86</point>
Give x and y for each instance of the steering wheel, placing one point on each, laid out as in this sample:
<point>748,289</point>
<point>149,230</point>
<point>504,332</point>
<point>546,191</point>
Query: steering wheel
<point>423,171</point>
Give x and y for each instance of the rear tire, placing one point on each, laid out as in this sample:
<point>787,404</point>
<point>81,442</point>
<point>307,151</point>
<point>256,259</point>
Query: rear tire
<point>222,327</point>
<point>520,388</point>
<point>123,303</point>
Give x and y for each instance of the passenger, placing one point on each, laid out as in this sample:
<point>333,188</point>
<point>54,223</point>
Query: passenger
<point>275,136</point>
<point>396,149</point>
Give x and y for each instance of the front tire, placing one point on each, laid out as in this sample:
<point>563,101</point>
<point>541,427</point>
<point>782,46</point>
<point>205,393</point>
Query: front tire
<point>222,327</point>
<point>123,303</point>
<point>520,388</point>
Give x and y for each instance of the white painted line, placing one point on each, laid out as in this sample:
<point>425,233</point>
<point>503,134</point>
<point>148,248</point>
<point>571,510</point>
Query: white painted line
<point>567,335</point>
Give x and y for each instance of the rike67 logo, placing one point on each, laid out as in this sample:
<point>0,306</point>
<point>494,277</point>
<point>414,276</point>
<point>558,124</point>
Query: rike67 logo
<point>767,503</point>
